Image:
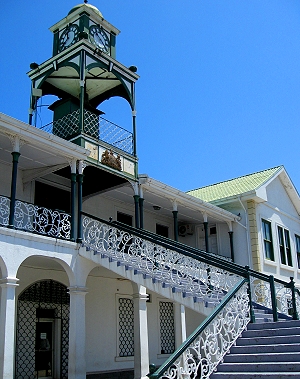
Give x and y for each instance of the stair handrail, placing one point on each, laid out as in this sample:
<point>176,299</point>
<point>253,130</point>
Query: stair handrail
<point>188,361</point>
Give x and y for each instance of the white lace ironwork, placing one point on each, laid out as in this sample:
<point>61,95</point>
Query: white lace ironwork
<point>204,282</point>
<point>201,357</point>
<point>4,210</point>
<point>261,294</point>
<point>41,220</point>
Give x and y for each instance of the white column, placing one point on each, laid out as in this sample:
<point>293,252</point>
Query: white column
<point>7,327</point>
<point>141,352</point>
<point>180,324</point>
<point>77,359</point>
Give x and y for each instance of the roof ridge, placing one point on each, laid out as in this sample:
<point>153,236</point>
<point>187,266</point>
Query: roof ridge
<point>238,177</point>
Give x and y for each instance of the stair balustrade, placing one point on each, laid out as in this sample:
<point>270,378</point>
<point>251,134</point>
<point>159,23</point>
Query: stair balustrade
<point>230,289</point>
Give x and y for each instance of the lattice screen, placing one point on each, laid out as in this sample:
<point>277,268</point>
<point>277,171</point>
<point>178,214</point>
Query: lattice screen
<point>166,325</point>
<point>126,327</point>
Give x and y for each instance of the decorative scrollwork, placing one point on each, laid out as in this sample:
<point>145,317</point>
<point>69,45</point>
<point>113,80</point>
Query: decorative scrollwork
<point>204,353</point>
<point>205,282</point>
<point>4,210</point>
<point>41,220</point>
<point>284,299</point>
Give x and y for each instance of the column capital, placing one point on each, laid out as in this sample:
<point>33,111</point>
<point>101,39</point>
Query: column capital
<point>140,296</point>
<point>9,282</point>
<point>78,290</point>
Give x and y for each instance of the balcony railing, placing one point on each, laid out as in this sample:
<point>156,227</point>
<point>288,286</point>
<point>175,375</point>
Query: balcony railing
<point>94,126</point>
<point>35,219</point>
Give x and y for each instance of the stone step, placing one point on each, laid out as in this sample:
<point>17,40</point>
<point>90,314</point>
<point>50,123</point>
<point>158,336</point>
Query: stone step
<point>269,332</point>
<point>258,349</point>
<point>263,357</point>
<point>273,325</point>
<point>274,340</point>
<point>277,367</point>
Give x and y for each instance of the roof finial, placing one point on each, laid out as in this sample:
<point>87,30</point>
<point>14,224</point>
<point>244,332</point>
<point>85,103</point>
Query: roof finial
<point>85,1</point>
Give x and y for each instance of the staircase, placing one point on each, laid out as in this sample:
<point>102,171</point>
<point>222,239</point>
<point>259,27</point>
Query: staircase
<point>214,287</point>
<point>267,350</point>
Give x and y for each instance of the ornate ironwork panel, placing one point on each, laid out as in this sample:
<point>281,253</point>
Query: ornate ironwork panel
<point>4,210</point>
<point>33,218</point>
<point>205,282</point>
<point>261,294</point>
<point>126,327</point>
<point>204,353</point>
<point>166,327</point>
<point>49,299</point>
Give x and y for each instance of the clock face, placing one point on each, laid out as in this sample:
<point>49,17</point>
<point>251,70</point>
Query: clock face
<point>68,37</point>
<point>99,38</point>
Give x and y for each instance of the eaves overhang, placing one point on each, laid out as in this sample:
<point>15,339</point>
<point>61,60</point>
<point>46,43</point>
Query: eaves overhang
<point>29,134</point>
<point>186,200</point>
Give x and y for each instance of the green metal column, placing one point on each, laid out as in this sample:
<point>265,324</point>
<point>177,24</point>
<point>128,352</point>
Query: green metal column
<point>13,188</point>
<point>73,205</point>
<point>294,303</point>
<point>82,91</point>
<point>134,132</point>
<point>231,245</point>
<point>141,204</point>
<point>251,311</point>
<point>136,210</point>
<point>175,223</point>
<point>79,194</point>
<point>273,298</point>
<point>205,223</point>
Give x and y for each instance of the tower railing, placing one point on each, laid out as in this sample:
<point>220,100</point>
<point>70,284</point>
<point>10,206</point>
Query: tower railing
<point>94,127</point>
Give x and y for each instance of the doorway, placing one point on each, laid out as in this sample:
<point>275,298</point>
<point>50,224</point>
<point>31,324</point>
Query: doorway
<point>42,343</point>
<point>44,353</point>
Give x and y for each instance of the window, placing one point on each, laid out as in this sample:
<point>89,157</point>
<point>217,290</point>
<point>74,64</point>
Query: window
<point>284,246</point>
<point>124,218</point>
<point>268,243</point>
<point>297,238</point>
<point>166,327</point>
<point>126,327</point>
<point>162,230</point>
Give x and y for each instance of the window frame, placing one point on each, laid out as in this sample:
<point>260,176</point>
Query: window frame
<point>268,242</point>
<point>297,246</point>
<point>284,244</point>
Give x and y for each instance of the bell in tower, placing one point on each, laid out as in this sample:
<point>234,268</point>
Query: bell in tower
<point>82,73</point>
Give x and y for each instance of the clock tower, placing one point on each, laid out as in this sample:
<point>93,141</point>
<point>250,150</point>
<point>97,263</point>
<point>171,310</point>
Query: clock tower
<point>83,72</point>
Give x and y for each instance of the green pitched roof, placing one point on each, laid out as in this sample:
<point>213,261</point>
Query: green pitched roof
<point>234,187</point>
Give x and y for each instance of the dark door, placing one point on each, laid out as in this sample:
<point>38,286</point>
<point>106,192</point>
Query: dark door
<point>44,350</point>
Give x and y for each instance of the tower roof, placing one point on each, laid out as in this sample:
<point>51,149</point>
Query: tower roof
<point>90,6</point>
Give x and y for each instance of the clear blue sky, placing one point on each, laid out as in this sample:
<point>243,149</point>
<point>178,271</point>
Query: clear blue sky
<point>219,88</point>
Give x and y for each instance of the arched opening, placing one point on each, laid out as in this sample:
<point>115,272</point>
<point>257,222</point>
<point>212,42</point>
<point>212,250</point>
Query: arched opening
<point>42,342</point>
